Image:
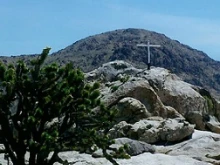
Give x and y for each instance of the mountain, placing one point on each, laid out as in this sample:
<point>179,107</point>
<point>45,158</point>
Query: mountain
<point>191,65</point>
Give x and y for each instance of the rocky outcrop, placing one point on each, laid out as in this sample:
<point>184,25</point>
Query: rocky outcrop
<point>143,159</point>
<point>154,130</point>
<point>157,107</point>
<point>156,92</point>
<point>111,71</point>
<point>157,113</point>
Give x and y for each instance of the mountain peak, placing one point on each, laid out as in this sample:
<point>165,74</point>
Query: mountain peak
<point>191,65</point>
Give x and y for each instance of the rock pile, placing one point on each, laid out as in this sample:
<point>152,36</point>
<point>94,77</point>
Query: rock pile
<point>163,119</point>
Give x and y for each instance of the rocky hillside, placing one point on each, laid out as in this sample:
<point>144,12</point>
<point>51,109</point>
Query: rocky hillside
<point>191,65</point>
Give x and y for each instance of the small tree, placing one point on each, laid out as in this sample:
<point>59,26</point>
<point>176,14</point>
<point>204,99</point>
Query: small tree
<point>46,109</point>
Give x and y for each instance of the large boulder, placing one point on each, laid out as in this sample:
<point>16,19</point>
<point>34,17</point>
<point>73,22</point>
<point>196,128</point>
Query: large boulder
<point>131,110</point>
<point>204,146</point>
<point>135,147</point>
<point>175,131</point>
<point>213,125</point>
<point>178,94</point>
<point>154,131</point>
<point>139,89</point>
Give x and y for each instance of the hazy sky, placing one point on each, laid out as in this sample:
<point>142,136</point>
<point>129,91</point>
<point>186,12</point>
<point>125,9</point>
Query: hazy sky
<point>27,26</point>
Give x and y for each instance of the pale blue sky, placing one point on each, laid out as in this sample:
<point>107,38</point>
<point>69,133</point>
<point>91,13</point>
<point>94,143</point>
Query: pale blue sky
<point>27,26</point>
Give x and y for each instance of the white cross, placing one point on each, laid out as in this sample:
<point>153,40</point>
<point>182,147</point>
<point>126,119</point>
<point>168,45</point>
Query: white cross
<point>148,45</point>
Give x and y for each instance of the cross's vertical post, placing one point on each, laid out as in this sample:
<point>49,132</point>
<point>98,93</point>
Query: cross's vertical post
<point>148,45</point>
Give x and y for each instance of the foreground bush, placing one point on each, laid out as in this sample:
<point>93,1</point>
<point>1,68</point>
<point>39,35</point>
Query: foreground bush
<point>48,109</point>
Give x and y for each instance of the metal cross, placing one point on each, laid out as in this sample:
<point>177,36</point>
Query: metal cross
<point>148,45</point>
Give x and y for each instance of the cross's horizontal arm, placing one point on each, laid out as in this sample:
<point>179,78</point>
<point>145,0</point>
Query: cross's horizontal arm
<point>146,45</point>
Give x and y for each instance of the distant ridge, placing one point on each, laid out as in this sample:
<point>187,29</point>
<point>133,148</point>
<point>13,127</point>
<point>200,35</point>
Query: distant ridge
<point>190,64</point>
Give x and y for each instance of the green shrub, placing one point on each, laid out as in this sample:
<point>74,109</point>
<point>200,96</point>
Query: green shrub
<point>50,108</point>
<point>114,88</point>
<point>209,102</point>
